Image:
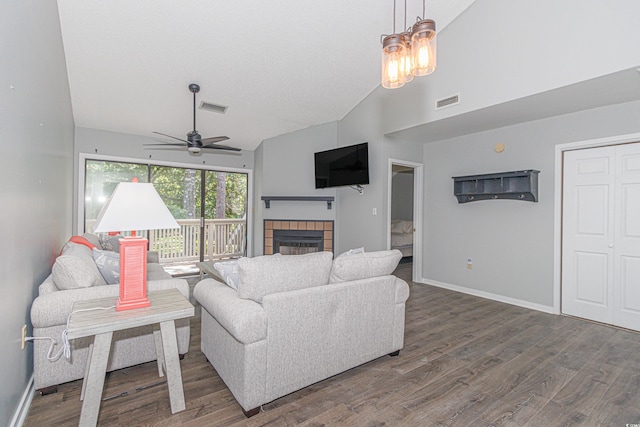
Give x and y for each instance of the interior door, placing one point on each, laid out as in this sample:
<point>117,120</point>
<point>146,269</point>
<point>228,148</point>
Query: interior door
<point>587,234</point>
<point>627,243</point>
<point>601,235</point>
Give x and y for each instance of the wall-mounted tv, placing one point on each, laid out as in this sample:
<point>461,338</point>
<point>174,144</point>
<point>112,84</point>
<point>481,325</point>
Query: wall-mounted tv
<point>342,166</point>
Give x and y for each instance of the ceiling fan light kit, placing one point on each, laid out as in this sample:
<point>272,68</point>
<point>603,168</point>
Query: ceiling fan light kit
<point>194,141</point>
<point>410,53</point>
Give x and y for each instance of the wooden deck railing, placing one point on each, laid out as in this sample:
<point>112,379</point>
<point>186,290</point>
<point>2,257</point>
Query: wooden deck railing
<point>223,238</point>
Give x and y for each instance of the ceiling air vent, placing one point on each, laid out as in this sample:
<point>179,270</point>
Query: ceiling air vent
<point>447,102</point>
<point>213,107</point>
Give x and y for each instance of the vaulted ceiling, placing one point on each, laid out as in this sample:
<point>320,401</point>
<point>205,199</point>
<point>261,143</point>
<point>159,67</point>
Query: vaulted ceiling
<point>278,65</point>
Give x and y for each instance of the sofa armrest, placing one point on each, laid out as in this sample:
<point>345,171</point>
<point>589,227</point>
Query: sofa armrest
<point>52,309</point>
<point>244,319</point>
<point>402,291</point>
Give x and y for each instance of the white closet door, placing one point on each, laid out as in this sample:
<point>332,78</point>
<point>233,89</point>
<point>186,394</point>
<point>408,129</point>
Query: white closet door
<point>601,235</point>
<point>587,234</point>
<point>626,264</point>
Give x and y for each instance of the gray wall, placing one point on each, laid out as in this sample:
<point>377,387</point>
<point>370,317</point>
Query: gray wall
<point>402,196</point>
<point>356,224</point>
<point>497,51</point>
<point>285,167</point>
<point>510,242</point>
<point>36,135</point>
<point>513,60</point>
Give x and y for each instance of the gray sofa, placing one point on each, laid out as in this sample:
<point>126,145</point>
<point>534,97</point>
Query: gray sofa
<point>296,320</point>
<point>78,279</point>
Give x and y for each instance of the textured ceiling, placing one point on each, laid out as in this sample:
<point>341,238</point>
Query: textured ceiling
<point>279,65</point>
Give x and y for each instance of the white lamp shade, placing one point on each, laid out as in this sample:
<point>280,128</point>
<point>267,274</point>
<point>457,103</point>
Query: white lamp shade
<point>134,206</point>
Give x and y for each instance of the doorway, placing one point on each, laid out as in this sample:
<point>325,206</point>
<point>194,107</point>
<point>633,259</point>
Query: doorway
<point>404,213</point>
<point>600,274</point>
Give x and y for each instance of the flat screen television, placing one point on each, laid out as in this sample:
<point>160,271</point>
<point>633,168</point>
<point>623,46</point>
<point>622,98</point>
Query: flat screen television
<point>342,166</point>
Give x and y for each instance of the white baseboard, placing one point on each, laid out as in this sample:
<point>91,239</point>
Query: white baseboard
<point>488,295</point>
<point>23,407</point>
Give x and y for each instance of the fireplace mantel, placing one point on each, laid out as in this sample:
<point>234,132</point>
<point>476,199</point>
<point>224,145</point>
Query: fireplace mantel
<point>268,199</point>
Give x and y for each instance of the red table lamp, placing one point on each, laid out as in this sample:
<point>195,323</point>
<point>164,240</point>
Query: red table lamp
<point>134,206</point>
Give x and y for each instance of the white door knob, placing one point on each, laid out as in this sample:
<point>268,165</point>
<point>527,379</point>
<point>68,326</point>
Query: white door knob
<point>610,245</point>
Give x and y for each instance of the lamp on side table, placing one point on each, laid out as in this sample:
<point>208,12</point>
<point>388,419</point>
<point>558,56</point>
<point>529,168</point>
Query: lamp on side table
<point>134,206</point>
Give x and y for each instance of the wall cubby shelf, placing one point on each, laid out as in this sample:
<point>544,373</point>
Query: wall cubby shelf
<point>516,185</point>
<point>268,199</point>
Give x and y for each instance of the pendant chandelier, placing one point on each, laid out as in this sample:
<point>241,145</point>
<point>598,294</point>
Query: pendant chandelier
<point>410,53</point>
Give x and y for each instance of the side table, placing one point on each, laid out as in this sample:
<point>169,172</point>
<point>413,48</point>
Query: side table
<point>207,267</point>
<point>91,318</point>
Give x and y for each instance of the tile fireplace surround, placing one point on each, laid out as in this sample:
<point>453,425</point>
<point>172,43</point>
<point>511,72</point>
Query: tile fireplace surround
<point>275,224</point>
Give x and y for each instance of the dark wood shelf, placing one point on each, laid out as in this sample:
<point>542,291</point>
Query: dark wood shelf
<point>516,185</point>
<point>268,199</point>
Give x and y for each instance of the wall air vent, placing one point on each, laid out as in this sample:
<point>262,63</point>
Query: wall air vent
<point>213,107</point>
<point>448,102</point>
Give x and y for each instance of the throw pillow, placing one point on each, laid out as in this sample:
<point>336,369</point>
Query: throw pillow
<point>352,252</point>
<point>78,240</point>
<point>75,268</point>
<point>110,243</point>
<point>396,226</point>
<point>266,275</point>
<point>93,238</point>
<point>229,271</point>
<point>108,264</point>
<point>364,265</point>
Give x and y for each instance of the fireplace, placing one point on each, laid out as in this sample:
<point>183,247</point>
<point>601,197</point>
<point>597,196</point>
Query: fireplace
<point>297,237</point>
<point>297,242</point>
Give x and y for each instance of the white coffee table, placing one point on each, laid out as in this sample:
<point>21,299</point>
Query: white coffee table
<point>166,307</point>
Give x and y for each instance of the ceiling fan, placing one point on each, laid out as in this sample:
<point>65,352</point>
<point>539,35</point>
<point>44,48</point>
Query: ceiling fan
<point>194,142</point>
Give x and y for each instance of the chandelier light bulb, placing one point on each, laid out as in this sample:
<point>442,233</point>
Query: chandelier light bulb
<point>393,61</point>
<point>410,53</point>
<point>423,47</point>
<point>407,59</point>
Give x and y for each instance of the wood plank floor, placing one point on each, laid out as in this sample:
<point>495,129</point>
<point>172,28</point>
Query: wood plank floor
<point>466,361</point>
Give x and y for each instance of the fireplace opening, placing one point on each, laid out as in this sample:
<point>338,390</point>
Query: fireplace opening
<point>296,237</point>
<point>297,242</point>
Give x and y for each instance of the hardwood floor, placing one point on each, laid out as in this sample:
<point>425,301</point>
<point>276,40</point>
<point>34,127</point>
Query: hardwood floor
<point>466,361</point>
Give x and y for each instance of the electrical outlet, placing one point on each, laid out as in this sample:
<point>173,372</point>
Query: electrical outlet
<point>469,264</point>
<point>24,336</point>
<point>374,211</point>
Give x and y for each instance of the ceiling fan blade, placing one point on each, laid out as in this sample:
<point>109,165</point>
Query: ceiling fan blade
<point>173,137</point>
<point>165,144</point>
<point>214,139</point>
<point>221,147</point>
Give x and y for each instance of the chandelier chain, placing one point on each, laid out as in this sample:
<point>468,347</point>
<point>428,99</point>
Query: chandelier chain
<point>394,16</point>
<point>405,14</point>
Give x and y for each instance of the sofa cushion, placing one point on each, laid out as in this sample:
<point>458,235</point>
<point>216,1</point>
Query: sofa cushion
<point>156,272</point>
<point>75,268</point>
<point>266,275</point>
<point>347,267</point>
<point>48,286</point>
<point>108,264</point>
